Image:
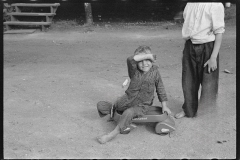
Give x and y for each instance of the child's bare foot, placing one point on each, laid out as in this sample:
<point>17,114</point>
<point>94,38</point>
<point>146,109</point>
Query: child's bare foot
<point>180,115</point>
<point>105,138</point>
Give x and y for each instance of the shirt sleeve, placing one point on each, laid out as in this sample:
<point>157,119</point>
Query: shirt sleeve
<point>161,93</point>
<point>217,12</point>
<point>132,66</point>
<point>185,11</point>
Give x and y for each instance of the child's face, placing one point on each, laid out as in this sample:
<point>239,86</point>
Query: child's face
<point>145,65</point>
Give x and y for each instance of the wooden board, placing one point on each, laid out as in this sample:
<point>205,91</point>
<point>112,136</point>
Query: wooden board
<point>20,31</point>
<point>25,23</point>
<point>36,4</point>
<point>30,14</point>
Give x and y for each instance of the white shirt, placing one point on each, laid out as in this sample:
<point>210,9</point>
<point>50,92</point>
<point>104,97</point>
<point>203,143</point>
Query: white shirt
<point>202,21</point>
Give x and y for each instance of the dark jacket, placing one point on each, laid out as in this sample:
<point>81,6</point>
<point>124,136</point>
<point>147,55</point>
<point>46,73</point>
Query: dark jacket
<point>142,86</point>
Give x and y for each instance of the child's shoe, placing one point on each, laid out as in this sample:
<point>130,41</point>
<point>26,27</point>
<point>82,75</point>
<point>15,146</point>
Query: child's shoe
<point>104,108</point>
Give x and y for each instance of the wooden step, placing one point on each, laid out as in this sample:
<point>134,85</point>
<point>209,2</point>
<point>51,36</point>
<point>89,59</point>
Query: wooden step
<point>14,15</point>
<point>36,4</point>
<point>26,23</point>
<point>30,14</point>
<point>53,6</point>
<point>20,31</point>
<point>43,25</point>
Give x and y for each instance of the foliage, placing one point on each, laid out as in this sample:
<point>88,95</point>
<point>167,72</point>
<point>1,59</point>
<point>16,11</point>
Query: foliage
<point>7,9</point>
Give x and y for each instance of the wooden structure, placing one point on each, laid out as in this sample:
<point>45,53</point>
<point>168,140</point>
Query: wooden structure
<point>19,7</point>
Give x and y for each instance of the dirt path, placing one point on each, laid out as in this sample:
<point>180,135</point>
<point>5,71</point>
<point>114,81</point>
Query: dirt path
<point>53,80</point>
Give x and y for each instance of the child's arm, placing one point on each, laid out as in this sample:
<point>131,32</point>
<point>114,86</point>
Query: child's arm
<point>212,62</point>
<point>165,108</point>
<point>132,66</point>
<point>141,57</point>
<point>218,27</point>
<point>161,93</point>
<point>132,62</point>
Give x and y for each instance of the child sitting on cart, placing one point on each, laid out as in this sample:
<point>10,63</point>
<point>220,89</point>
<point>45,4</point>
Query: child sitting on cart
<point>138,98</point>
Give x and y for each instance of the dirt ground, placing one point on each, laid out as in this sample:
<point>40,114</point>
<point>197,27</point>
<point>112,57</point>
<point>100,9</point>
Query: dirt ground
<point>53,80</point>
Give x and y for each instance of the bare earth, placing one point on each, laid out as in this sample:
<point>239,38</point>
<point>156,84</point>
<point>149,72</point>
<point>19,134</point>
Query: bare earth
<point>53,80</point>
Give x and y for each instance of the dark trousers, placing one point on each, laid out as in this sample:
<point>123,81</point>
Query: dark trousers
<point>128,114</point>
<point>194,74</point>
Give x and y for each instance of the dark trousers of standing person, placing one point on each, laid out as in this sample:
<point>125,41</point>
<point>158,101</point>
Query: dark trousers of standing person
<point>194,73</point>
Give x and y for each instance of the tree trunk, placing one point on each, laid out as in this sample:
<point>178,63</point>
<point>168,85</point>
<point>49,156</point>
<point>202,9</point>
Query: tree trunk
<point>88,12</point>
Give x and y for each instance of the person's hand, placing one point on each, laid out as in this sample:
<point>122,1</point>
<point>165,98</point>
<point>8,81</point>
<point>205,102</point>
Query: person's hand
<point>212,64</point>
<point>154,57</point>
<point>166,109</point>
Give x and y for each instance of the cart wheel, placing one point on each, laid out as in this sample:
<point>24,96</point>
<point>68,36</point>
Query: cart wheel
<point>165,127</point>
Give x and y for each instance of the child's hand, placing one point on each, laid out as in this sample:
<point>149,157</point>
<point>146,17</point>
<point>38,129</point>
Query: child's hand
<point>166,109</point>
<point>212,64</point>
<point>154,57</point>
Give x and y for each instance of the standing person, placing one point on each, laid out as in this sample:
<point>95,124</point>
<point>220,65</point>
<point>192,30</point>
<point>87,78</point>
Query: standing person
<point>202,30</point>
<point>138,98</point>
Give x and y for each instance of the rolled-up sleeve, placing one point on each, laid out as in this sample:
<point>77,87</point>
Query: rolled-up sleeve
<point>132,66</point>
<point>217,11</point>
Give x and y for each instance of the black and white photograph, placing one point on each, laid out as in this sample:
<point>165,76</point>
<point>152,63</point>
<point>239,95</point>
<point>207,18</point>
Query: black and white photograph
<point>119,79</point>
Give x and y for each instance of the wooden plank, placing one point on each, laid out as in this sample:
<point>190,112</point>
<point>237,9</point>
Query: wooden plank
<point>35,4</point>
<point>26,23</point>
<point>20,31</point>
<point>30,14</point>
